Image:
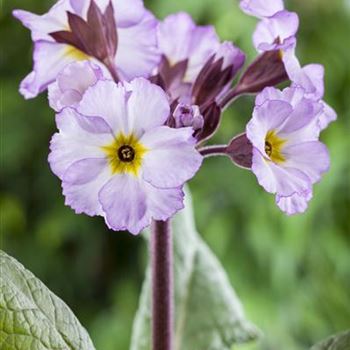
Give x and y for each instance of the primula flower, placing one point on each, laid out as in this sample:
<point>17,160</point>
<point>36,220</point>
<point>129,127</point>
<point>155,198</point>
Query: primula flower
<point>116,158</point>
<point>117,35</point>
<point>287,156</point>
<point>71,84</point>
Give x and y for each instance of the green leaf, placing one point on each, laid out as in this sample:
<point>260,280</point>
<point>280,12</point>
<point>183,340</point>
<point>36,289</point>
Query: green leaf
<point>209,315</point>
<point>340,341</point>
<point>32,317</point>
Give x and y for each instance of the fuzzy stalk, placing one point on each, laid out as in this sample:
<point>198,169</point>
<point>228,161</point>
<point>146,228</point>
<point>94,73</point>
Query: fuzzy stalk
<point>162,285</point>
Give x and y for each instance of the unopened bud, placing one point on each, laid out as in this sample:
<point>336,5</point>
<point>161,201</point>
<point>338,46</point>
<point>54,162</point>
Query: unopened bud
<point>188,116</point>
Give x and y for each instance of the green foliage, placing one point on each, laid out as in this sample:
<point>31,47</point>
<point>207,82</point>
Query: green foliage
<point>339,341</point>
<point>209,316</point>
<point>32,317</point>
<point>291,273</point>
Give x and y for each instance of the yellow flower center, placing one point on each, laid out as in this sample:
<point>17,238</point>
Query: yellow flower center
<point>273,147</point>
<point>125,154</point>
<point>76,54</point>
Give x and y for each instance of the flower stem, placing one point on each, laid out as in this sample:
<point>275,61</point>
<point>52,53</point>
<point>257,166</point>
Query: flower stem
<point>212,151</point>
<point>162,285</point>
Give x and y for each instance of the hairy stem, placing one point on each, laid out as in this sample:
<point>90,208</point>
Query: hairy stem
<point>162,285</point>
<point>211,151</point>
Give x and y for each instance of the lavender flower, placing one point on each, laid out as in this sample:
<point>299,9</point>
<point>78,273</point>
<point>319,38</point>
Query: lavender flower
<point>71,84</point>
<point>116,158</point>
<point>287,156</point>
<point>118,36</point>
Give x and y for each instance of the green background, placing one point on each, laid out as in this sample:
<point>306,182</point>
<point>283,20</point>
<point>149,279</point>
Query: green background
<point>291,273</point>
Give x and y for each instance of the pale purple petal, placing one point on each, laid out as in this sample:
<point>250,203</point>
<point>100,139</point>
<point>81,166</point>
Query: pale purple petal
<point>276,32</point>
<point>326,116</point>
<point>261,8</point>
<point>180,39</point>
<point>40,26</point>
<point>127,13</point>
<point>84,171</point>
<point>277,179</point>
<point>124,202</point>
<point>72,83</point>
<point>232,56</point>
<point>148,106</point>
<point>172,158</point>
<point>303,114</point>
<point>163,203</point>
<point>83,198</point>
<point>107,100</point>
<point>49,60</point>
<point>76,141</point>
<point>294,204</point>
<point>311,158</point>
<point>137,53</point>
<point>267,117</point>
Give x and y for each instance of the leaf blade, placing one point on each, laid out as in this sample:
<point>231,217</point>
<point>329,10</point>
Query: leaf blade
<point>32,317</point>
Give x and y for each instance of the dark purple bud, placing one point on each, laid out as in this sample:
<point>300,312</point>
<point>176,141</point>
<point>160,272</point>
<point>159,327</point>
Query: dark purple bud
<point>217,73</point>
<point>171,75</point>
<point>97,37</point>
<point>188,116</point>
<point>212,116</point>
<point>267,70</point>
<point>240,150</point>
<point>111,29</point>
<point>65,37</point>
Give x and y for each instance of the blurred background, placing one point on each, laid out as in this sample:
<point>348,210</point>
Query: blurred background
<point>291,273</point>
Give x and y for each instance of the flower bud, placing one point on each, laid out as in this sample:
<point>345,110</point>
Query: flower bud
<point>186,116</point>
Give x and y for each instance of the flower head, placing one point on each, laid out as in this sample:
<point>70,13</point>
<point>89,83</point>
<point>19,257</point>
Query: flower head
<point>116,158</point>
<point>119,37</point>
<point>287,156</point>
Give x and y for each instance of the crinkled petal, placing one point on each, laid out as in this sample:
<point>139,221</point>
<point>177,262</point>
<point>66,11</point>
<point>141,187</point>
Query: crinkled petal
<point>72,83</point>
<point>294,204</point>
<point>172,158</point>
<point>276,32</point>
<point>163,203</point>
<point>326,116</point>
<point>137,54</point>
<point>278,179</point>
<point>148,106</point>
<point>124,202</point>
<point>312,158</point>
<point>107,100</point>
<point>304,113</point>
<point>84,171</point>
<point>267,117</point>
<point>79,138</point>
<point>83,198</point>
<point>49,60</point>
<point>130,203</point>
<point>261,8</point>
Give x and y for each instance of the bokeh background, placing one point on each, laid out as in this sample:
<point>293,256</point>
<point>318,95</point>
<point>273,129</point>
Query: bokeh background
<point>291,273</point>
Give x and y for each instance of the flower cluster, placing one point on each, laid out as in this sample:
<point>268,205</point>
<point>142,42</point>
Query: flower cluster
<point>136,98</point>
